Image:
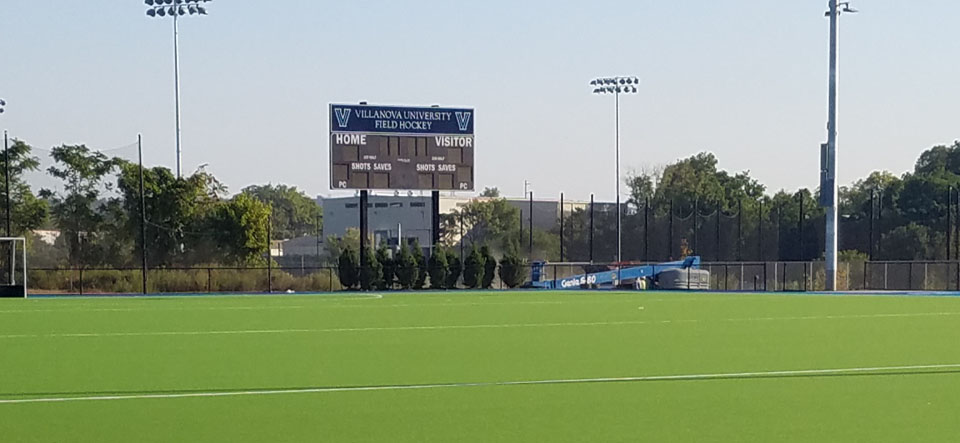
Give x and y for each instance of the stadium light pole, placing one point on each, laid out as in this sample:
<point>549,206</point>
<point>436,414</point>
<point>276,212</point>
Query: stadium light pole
<point>616,86</point>
<point>176,9</point>
<point>6,169</point>
<point>828,181</point>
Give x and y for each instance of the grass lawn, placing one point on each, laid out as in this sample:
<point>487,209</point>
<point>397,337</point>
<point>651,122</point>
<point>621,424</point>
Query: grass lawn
<point>438,367</point>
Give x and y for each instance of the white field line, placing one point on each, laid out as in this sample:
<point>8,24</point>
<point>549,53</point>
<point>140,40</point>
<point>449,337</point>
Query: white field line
<point>651,378</point>
<point>462,327</point>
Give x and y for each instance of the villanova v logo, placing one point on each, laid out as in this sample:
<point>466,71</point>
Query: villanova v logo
<point>463,120</point>
<point>343,116</point>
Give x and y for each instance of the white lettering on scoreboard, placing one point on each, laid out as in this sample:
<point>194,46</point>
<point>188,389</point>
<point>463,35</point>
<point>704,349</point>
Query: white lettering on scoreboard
<point>429,167</point>
<point>352,139</point>
<point>454,142</point>
<point>380,167</point>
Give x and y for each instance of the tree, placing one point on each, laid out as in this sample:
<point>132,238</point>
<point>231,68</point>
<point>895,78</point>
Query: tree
<point>484,222</point>
<point>348,267</point>
<point>175,209</point>
<point>489,267</point>
<point>421,265</point>
<point>335,244</point>
<point>910,242</point>
<point>490,192</point>
<point>473,269</point>
<point>406,268</point>
<point>438,269</point>
<point>294,213</point>
<point>372,273</point>
<point>27,212</point>
<point>84,227</point>
<point>387,265</point>
<point>239,230</point>
<point>454,269</point>
<point>512,270</point>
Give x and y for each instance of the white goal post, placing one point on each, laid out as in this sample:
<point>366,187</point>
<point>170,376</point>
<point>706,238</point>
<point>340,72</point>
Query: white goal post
<point>13,267</point>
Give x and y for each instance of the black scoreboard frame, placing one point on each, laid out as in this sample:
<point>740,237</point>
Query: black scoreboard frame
<point>388,148</point>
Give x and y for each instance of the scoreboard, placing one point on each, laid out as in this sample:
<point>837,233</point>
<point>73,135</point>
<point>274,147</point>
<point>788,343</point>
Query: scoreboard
<point>401,148</point>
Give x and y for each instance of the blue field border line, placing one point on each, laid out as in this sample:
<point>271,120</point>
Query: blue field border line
<point>463,292</point>
<point>204,294</point>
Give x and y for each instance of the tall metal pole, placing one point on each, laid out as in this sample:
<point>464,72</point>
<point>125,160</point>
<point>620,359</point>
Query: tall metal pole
<point>760,230</point>
<point>800,226</point>
<point>270,251</point>
<point>530,246</point>
<point>831,158</point>
<point>143,217</point>
<point>317,228</point>
<point>6,180</point>
<point>6,177</point>
<point>646,230</point>
<point>591,228</point>
<point>561,227</point>
<point>739,230</point>
<point>949,219</point>
<point>176,84</point>
<point>670,239</point>
<point>619,241</point>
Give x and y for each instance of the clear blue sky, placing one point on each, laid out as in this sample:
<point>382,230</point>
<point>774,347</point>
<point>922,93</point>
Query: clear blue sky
<point>744,79</point>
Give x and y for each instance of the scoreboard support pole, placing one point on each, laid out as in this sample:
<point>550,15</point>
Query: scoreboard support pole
<point>435,219</point>
<point>364,196</point>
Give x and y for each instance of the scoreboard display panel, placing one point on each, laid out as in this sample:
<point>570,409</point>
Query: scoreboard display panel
<point>401,148</point>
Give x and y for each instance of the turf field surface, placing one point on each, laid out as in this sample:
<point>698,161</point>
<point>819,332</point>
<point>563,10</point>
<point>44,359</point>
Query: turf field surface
<point>498,366</point>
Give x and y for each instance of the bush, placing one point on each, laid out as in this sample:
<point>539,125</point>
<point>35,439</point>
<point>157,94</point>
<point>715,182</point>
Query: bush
<point>513,270</point>
<point>421,265</point>
<point>160,280</point>
<point>348,268</point>
<point>372,273</point>
<point>387,266</point>
<point>489,268</point>
<point>407,269</point>
<point>454,269</point>
<point>473,269</point>
<point>438,268</point>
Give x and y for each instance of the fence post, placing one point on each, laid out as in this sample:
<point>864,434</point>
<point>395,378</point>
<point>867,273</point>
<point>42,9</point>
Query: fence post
<point>865,279</point>
<point>209,280</point>
<point>765,278</point>
<point>783,286</point>
<point>81,279</point>
<point>885,268</point>
<point>910,278</point>
<point>742,276</point>
<point>725,276</point>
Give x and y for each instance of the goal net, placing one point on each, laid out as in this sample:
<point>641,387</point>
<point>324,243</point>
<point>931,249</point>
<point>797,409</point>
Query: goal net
<point>13,267</point>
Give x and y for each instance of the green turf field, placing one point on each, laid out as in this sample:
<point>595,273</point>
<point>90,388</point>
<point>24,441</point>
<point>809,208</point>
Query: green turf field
<point>297,368</point>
